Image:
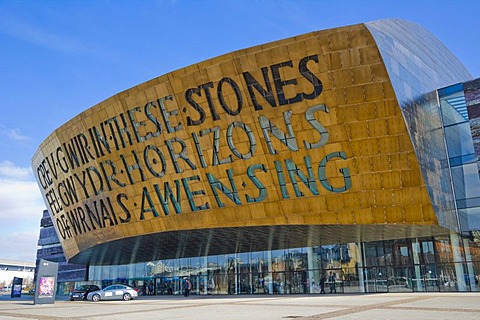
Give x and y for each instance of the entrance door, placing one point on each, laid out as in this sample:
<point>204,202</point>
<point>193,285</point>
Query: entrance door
<point>199,284</point>
<point>401,280</point>
<point>299,282</point>
<point>376,279</point>
<point>168,286</point>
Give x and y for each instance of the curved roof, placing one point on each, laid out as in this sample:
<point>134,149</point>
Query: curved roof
<point>303,141</point>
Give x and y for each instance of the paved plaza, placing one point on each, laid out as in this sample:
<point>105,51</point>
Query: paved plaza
<point>409,306</point>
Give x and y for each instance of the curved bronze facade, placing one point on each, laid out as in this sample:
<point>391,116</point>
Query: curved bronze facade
<point>292,143</point>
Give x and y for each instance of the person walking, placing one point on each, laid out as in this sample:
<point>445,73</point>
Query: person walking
<point>187,286</point>
<point>150,289</point>
<point>322,284</point>
<point>332,280</point>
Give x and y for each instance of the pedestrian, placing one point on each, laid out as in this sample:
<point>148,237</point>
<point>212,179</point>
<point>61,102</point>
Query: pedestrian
<point>322,284</point>
<point>150,289</point>
<point>331,279</point>
<point>187,286</point>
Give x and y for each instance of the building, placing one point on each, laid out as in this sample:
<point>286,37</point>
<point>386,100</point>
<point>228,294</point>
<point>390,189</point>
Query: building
<point>49,248</point>
<point>348,154</point>
<point>10,269</point>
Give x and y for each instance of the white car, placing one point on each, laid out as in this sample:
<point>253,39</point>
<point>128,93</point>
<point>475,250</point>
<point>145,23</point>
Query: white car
<point>113,292</point>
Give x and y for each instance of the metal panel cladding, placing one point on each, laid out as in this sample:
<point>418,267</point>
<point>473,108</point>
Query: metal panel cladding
<point>296,142</point>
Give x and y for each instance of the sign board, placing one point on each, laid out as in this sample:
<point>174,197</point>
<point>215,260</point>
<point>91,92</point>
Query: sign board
<point>46,283</point>
<point>16,288</point>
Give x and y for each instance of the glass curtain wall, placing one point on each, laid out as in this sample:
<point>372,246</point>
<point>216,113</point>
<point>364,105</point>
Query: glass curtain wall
<point>403,265</point>
<point>461,156</point>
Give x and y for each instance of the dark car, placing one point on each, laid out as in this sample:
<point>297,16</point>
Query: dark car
<point>81,292</point>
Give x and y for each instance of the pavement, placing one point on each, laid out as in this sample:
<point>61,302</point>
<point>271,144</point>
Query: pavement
<point>390,306</point>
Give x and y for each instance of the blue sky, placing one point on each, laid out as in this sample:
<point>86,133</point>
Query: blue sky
<point>58,58</point>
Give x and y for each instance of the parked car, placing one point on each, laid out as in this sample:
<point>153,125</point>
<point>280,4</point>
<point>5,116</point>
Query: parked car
<point>113,292</point>
<point>81,292</point>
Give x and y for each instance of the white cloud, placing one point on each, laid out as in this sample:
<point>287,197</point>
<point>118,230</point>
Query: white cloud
<point>19,200</point>
<point>16,135</point>
<point>8,170</point>
<point>21,208</point>
<point>13,134</point>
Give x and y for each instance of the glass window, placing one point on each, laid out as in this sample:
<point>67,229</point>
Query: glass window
<point>459,141</point>
<point>105,274</point>
<point>400,255</point>
<point>471,181</point>
<point>212,260</point>
<point>94,272</point>
<point>320,257</point>
<point>443,249</point>
<point>140,269</point>
<point>223,263</point>
<point>296,259</point>
<point>375,254</point>
<point>428,254</point>
<point>452,102</point>
<point>122,271</point>
<point>278,260</point>
<point>243,262</point>
<point>259,264</point>
<point>473,217</point>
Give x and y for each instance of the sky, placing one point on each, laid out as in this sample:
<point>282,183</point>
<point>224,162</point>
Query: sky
<point>59,58</point>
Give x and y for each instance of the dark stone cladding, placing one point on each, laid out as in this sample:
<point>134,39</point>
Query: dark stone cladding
<point>51,250</point>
